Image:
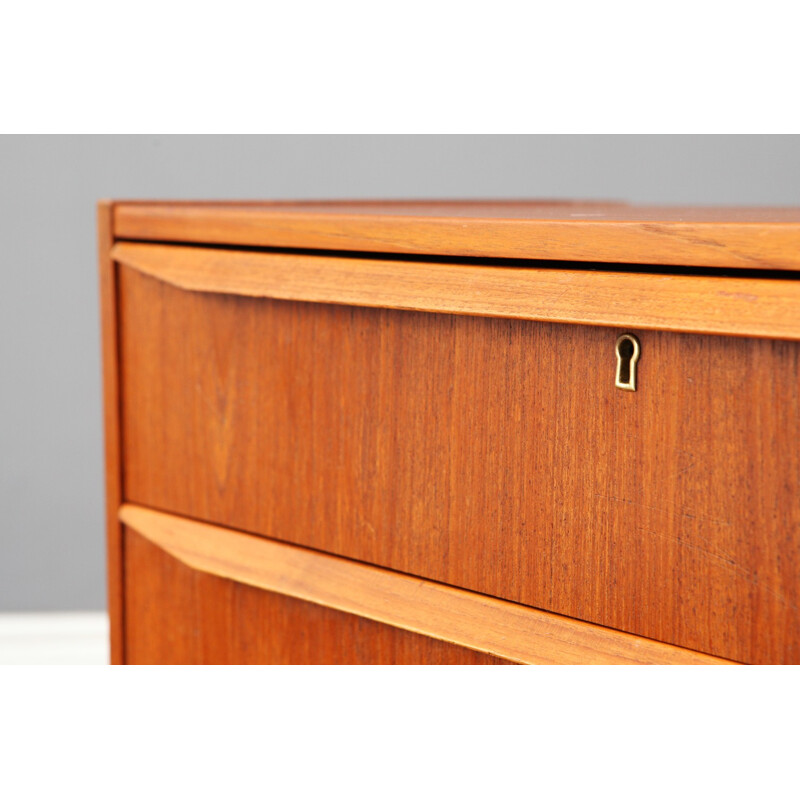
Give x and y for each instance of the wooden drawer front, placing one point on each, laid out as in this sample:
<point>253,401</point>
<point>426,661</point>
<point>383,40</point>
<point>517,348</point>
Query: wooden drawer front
<point>225,595</point>
<point>176,615</point>
<point>491,454</point>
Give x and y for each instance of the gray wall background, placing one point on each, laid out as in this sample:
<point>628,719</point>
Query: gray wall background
<point>51,468</point>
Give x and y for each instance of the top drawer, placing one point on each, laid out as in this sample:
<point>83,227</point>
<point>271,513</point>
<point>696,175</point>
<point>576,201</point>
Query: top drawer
<point>491,453</point>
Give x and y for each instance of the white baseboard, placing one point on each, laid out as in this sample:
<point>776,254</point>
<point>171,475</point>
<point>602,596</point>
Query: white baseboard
<point>54,638</point>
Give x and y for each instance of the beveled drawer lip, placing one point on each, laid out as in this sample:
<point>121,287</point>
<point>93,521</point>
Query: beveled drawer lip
<point>752,307</point>
<point>496,627</point>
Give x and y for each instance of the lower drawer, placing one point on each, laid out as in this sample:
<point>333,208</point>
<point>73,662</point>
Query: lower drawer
<point>177,615</point>
<point>197,593</point>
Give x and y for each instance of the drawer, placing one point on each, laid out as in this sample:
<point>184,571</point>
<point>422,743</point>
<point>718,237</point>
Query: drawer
<point>198,593</point>
<point>178,615</point>
<point>477,450</point>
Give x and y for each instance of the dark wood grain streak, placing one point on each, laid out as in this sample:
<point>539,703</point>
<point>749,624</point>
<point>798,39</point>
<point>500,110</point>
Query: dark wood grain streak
<point>490,454</point>
<point>181,616</point>
<point>697,304</point>
<point>752,238</point>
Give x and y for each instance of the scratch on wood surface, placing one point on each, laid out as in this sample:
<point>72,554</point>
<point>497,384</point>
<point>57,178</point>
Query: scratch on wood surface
<point>666,511</point>
<point>693,238</point>
<point>726,563</point>
<point>682,234</point>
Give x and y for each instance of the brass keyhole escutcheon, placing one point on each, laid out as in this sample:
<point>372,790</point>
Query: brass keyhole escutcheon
<point>628,352</point>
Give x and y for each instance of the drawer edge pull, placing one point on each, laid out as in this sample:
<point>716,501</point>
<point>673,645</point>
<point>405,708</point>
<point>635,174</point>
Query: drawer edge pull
<point>760,307</point>
<point>498,627</point>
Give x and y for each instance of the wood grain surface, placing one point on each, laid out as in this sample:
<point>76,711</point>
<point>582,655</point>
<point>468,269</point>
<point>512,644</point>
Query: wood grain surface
<point>728,237</point>
<point>111,430</point>
<point>698,304</point>
<point>491,454</point>
<point>493,627</point>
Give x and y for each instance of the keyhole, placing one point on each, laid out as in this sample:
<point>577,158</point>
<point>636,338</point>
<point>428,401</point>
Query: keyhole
<point>628,351</point>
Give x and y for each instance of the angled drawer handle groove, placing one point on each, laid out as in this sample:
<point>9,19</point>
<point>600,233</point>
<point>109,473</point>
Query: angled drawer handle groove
<point>760,307</point>
<point>497,627</point>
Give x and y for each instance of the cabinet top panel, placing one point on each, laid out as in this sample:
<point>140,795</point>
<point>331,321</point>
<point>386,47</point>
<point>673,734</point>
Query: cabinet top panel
<point>701,236</point>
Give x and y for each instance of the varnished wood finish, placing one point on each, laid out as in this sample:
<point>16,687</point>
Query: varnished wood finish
<point>111,401</point>
<point>494,627</point>
<point>733,306</point>
<point>491,454</point>
<point>180,616</point>
<point>752,238</point>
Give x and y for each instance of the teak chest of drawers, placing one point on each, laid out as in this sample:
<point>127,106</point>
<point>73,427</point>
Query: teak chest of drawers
<point>404,432</point>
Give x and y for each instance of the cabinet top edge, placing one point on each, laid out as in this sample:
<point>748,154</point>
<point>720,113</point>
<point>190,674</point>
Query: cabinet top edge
<point>694,236</point>
<point>575,211</point>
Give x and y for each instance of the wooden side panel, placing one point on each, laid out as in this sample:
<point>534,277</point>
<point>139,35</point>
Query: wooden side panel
<point>111,409</point>
<point>490,454</point>
<point>176,615</point>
